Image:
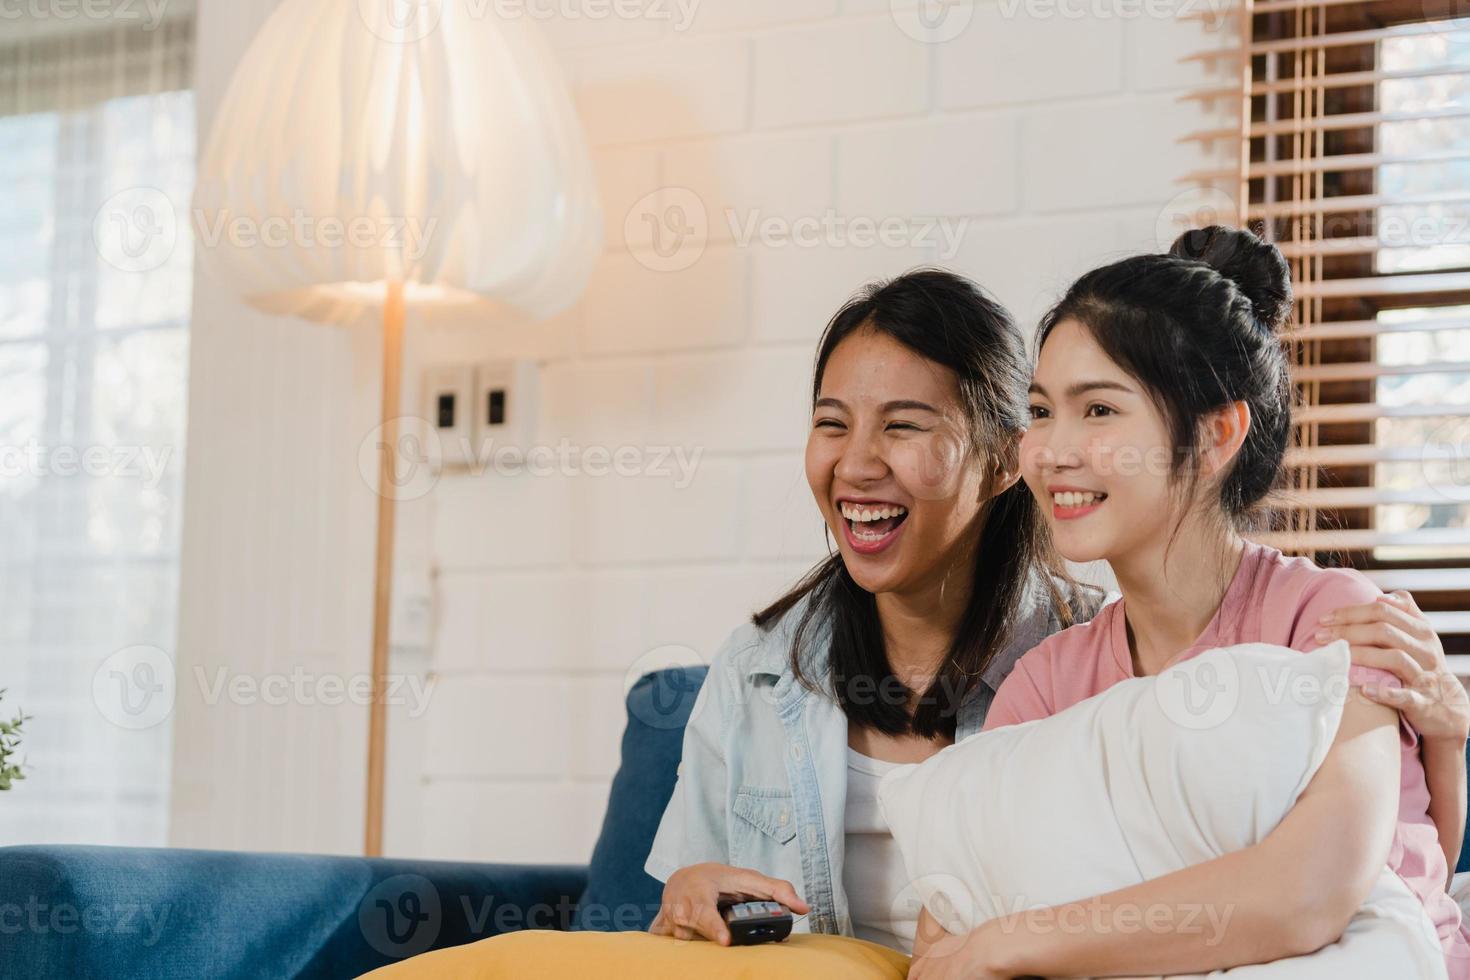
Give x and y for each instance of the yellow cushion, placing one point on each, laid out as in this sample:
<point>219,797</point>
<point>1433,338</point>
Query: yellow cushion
<point>550,955</point>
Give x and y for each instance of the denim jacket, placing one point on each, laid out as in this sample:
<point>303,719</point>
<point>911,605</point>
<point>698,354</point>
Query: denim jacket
<point>762,782</point>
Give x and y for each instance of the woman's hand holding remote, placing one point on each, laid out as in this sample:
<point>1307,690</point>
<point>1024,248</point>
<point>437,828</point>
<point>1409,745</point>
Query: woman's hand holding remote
<point>690,907</point>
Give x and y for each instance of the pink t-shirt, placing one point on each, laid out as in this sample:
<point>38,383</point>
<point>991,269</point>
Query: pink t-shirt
<point>1271,599</point>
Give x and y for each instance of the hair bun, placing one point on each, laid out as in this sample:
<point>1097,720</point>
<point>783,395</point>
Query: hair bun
<point>1256,266</point>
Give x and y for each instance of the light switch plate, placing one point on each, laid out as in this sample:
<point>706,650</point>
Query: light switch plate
<point>506,395</point>
<point>449,395</point>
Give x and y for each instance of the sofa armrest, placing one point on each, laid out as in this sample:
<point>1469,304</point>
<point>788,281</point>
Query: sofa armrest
<point>74,911</point>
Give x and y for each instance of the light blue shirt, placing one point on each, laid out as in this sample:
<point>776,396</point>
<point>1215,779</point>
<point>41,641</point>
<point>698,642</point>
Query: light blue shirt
<point>763,779</point>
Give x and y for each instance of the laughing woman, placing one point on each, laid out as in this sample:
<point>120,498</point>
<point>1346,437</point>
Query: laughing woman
<point>1175,358</point>
<point>894,646</point>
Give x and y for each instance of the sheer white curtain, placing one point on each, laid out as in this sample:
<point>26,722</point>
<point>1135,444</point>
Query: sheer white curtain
<point>96,164</point>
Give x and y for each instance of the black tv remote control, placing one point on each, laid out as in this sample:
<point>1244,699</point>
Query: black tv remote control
<point>754,920</point>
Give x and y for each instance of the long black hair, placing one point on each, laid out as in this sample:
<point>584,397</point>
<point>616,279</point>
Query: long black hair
<point>950,321</point>
<point>1197,327</point>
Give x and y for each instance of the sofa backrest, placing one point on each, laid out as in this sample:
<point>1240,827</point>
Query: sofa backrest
<point>620,895</point>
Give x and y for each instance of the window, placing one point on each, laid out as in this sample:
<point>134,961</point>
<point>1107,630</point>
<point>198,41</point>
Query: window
<point>96,159</point>
<point>1356,161</point>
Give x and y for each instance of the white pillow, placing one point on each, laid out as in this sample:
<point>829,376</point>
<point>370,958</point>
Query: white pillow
<point>1153,775</point>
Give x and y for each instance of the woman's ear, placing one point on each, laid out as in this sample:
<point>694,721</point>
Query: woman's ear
<point>1006,469</point>
<point>1225,431</point>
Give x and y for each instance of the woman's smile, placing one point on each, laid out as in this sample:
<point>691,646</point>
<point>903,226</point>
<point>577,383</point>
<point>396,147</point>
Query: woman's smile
<point>1069,503</point>
<point>871,525</point>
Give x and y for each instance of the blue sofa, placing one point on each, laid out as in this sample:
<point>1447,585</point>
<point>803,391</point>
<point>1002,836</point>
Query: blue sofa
<point>122,912</point>
<point>119,913</point>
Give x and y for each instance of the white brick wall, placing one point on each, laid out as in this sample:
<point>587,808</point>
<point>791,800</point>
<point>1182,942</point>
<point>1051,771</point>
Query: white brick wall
<point>1050,141</point>
<point>836,71</point>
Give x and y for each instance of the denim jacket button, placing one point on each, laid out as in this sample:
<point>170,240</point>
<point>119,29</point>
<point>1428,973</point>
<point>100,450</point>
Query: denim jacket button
<point>796,751</point>
<point>785,816</point>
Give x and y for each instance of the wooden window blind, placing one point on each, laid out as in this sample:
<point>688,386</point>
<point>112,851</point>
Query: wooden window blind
<point>1354,137</point>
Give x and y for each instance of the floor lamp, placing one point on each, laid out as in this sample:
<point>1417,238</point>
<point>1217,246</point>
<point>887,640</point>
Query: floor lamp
<point>382,156</point>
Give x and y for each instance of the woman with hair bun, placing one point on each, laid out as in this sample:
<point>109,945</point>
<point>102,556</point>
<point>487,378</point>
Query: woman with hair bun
<point>1161,415</point>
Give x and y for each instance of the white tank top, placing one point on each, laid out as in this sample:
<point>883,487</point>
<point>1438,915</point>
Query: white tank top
<point>883,908</point>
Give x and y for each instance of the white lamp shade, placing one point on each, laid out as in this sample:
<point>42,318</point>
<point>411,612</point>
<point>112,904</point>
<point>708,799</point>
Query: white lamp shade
<point>430,142</point>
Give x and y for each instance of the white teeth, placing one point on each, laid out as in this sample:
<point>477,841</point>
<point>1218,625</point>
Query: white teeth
<point>853,512</point>
<point>1071,498</point>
